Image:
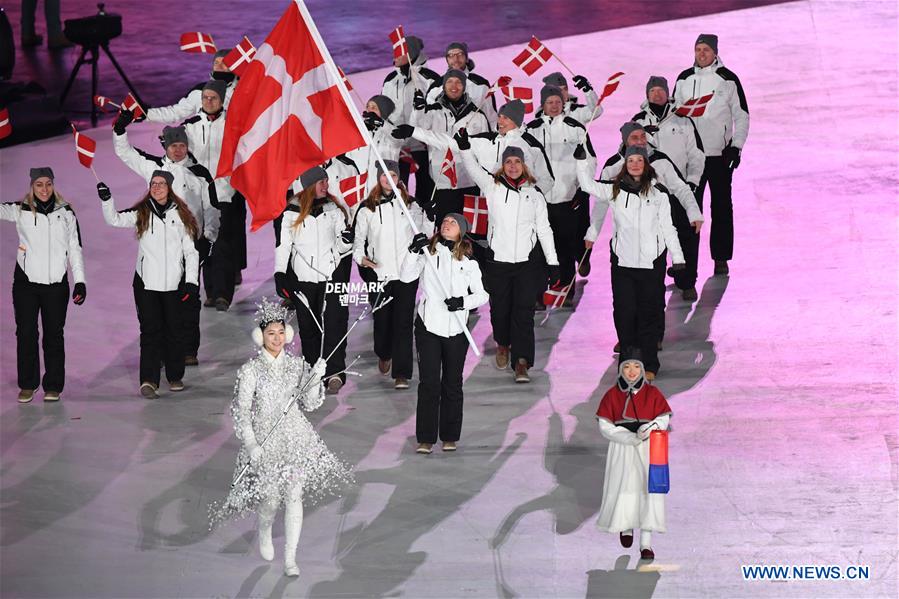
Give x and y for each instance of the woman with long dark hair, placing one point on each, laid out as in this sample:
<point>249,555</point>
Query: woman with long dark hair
<point>312,239</point>
<point>49,243</point>
<point>381,239</point>
<point>166,275</point>
<point>641,234</point>
<point>453,285</point>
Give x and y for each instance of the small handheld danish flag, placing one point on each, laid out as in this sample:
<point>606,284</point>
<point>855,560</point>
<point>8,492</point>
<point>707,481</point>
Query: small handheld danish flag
<point>694,106</point>
<point>240,56</point>
<point>448,168</point>
<point>525,94</point>
<point>130,103</point>
<point>353,189</point>
<point>555,295</point>
<point>475,212</point>
<point>102,102</point>
<point>611,85</point>
<point>196,42</point>
<point>85,148</point>
<point>5,127</point>
<point>398,39</point>
<point>534,56</point>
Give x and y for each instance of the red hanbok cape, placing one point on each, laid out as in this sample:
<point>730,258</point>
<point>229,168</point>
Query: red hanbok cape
<point>647,404</point>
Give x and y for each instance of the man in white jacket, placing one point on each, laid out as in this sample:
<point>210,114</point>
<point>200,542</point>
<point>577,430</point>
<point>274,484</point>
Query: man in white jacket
<point>724,128</point>
<point>678,137</point>
<point>478,88</point>
<point>191,103</point>
<point>583,113</point>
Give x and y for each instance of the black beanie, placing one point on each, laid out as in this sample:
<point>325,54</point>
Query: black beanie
<point>513,151</point>
<point>458,46</point>
<point>42,171</point>
<point>218,87</point>
<point>549,91</point>
<point>461,76</point>
<point>384,104</point>
<point>173,135</point>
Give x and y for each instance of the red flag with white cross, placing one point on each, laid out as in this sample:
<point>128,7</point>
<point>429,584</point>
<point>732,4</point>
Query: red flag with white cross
<point>694,106</point>
<point>534,56</point>
<point>130,103</point>
<point>240,56</point>
<point>353,189</point>
<point>85,148</point>
<point>475,212</point>
<point>287,115</point>
<point>398,39</point>
<point>449,168</point>
<point>525,94</point>
<point>196,42</point>
<point>5,126</point>
<point>611,85</point>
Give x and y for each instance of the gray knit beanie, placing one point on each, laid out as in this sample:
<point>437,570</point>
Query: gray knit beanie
<point>384,104</point>
<point>657,81</point>
<point>173,135</point>
<point>709,39</point>
<point>392,166</point>
<point>513,152</point>
<point>464,227</point>
<point>556,79</point>
<point>42,171</point>
<point>313,176</point>
<point>460,75</point>
<point>216,86</point>
<point>633,150</point>
<point>549,91</point>
<point>169,177</point>
<point>628,128</point>
<point>514,111</point>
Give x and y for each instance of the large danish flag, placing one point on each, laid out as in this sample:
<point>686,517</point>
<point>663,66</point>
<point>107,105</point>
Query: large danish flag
<point>286,115</point>
<point>534,56</point>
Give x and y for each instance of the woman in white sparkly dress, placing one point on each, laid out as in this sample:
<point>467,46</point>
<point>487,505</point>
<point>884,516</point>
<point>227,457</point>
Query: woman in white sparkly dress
<point>294,462</point>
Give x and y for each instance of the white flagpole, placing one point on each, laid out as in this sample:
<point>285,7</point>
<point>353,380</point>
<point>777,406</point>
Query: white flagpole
<point>357,118</point>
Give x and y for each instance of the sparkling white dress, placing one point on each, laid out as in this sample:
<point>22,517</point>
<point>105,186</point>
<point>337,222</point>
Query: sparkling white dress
<point>294,454</point>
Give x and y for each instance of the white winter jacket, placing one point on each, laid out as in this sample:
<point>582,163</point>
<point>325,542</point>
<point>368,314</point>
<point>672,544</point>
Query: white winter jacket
<point>516,218</point>
<point>488,151</point>
<point>313,248</point>
<point>192,182</point>
<point>582,113</point>
<point>205,136</point>
<point>48,243</point>
<point>401,89</point>
<point>165,252</point>
<point>436,128</point>
<point>667,175</point>
<point>477,89</point>
<point>460,278</point>
<point>384,235</point>
<point>677,137</point>
<point>560,135</point>
<point>726,118</point>
<point>642,224</point>
<point>364,160</point>
<point>187,106</point>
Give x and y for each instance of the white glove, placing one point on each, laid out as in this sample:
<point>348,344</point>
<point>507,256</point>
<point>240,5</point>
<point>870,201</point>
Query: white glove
<point>645,429</point>
<point>319,368</point>
<point>256,452</point>
<point>636,440</point>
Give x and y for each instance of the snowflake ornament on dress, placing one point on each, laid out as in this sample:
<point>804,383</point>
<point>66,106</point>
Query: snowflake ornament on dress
<point>295,454</point>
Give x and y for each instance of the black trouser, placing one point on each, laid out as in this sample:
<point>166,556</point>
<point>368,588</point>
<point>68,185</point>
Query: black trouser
<point>50,302</point>
<point>512,288</point>
<point>239,231</point>
<point>450,200</point>
<point>689,244</point>
<point>565,223</point>
<point>440,364</point>
<point>719,177</point>
<point>335,326</point>
<point>224,265</point>
<point>424,185</point>
<point>160,314</point>
<point>635,308</point>
<point>393,325</point>
<point>190,310</point>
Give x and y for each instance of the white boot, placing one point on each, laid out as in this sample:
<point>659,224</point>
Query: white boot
<point>266,517</point>
<point>293,524</point>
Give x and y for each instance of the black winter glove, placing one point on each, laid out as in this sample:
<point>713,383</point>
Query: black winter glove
<point>79,294</point>
<point>124,119</point>
<point>419,242</point>
<point>580,153</point>
<point>462,140</point>
<point>454,304</point>
<point>403,131</point>
<point>347,235</point>
<point>554,277</point>
<point>189,292</point>
<point>582,84</point>
<point>372,121</point>
<point>282,288</point>
<point>103,191</point>
<point>418,100</point>
<point>731,155</point>
<point>677,267</point>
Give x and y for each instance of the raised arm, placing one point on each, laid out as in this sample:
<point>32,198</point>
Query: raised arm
<point>124,219</point>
